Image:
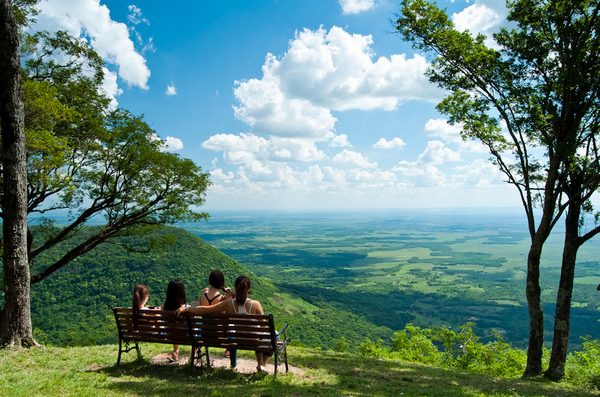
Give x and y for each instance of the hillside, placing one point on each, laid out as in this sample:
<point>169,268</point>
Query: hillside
<point>105,277</point>
<point>91,371</point>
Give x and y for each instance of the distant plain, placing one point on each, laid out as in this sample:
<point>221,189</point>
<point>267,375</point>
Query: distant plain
<point>428,267</point>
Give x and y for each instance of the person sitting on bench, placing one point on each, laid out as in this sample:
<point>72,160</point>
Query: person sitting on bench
<point>238,305</point>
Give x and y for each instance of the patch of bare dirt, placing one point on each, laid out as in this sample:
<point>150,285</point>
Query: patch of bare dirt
<point>244,365</point>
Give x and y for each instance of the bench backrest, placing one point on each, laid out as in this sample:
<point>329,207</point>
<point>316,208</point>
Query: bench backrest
<point>158,326</point>
<point>243,331</point>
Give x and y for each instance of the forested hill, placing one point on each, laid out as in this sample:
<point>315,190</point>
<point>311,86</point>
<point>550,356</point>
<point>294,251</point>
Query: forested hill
<point>105,277</point>
<point>62,303</point>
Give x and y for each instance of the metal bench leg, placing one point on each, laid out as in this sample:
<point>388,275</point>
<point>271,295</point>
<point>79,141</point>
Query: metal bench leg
<point>120,351</point>
<point>207,357</point>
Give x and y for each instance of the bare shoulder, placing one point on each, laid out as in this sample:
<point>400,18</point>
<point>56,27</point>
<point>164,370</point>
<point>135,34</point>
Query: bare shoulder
<point>257,308</point>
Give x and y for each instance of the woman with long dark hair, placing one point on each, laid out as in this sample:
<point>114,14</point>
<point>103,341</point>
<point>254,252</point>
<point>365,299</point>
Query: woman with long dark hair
<point>216,283</point>
<point>140,297</point>
<point>241,304</point>
<point>175,300</point>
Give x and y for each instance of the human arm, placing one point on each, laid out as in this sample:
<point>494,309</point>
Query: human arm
<point>228,294</point>
<point>256,308</point>
<point>218,308</point>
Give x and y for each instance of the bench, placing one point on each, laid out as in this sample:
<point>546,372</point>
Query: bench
<point>228,331</point>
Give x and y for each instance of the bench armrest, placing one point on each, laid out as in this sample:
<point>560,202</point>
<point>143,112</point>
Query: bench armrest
<point>281,331</point>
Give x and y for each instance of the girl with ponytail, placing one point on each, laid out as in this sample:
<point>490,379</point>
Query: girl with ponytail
<point>140,297</point>
<point>239,305</point>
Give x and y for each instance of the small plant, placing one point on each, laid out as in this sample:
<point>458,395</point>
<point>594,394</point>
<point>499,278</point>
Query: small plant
<point>415,344</point>
<point>583,367</point>
<point>341,346</point>
<point>372,349</point>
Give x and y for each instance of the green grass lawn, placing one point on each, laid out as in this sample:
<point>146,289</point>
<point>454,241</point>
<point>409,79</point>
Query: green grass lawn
<point>91,371</point>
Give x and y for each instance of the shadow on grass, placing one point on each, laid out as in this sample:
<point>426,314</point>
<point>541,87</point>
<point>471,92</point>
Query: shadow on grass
<point>328,374</point>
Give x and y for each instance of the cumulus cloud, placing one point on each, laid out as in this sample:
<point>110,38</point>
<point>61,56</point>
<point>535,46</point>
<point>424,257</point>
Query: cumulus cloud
<point>351,159</point>
<point>424,171</point>
<point>356,6</point>
<point>479,174</point>
<point>110,88</point>
<point>110,39</point>
<point>340,141</point>
<point>258,154</point>
<point>476,18</point>
<point>451,133</point>
<point>173,144</point>
<point>324,71</point>
<point>436,153</point>
<point>171,90</point>
<point>395,143</point>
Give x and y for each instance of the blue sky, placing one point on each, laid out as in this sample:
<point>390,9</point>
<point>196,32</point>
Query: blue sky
<point>291,104</point>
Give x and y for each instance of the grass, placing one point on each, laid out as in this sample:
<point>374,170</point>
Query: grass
<point>91,371</point>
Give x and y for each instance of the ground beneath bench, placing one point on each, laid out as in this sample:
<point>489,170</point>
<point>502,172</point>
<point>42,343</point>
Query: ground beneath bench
<point>244,365</point>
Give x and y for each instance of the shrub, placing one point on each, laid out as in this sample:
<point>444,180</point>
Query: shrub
<point>414,344</point>
<point>583,367</point>
<point>341,346</point>
<point>372,349</point>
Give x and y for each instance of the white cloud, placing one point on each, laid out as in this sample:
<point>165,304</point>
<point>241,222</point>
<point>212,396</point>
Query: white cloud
<point>135,16</point>
<point>441,129</point>
<point>422,175</point>
<point>260,155</point>
<point>452,133</point>
<point>340,141</point>
<point>172,144</point>
<point>110,88</point>
<point>171,90</point>
<point>295,149</point>
<point>477,18</point>
<point>356,6</point>
<point>395,143</point>
<point>219,175</point>
<point>110,39</point>
<point>324,71</point>
<point>423,171</point>
<point>351,159</point>
<point>231,142</point>
<point>436,153</point>
<point>479,174</point>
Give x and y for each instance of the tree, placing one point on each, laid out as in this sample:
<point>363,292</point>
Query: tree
<point>542,84</point>
<point>91,161</point>
<point>16,317</point>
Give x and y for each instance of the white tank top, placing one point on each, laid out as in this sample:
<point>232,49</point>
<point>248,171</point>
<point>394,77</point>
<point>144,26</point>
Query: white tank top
<point>237,309</point>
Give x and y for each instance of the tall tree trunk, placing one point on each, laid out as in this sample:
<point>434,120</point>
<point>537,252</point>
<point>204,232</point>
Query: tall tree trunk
<point>532,289</point>
<point>560,342</point>
<point>15,328</point>
<point>536,314</point>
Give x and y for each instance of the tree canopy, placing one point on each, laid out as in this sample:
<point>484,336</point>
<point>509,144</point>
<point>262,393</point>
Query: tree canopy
<point>87,160</point>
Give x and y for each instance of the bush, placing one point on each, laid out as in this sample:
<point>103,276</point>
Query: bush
<point>414,344</point>
<point>445,347</point>
<point>583,368</point>
<point>372,349</point>
<point>341,346</point>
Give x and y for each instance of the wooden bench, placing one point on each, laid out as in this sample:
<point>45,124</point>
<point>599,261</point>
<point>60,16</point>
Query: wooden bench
<point>228,331</point>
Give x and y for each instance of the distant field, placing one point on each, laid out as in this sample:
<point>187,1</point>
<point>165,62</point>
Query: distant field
<point>428,268</point>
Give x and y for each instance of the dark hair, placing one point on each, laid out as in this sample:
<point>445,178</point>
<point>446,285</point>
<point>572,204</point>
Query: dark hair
<point>217,279</point>
<point>242,289</point>
<point>140,292</point>
<point>175,295</point>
